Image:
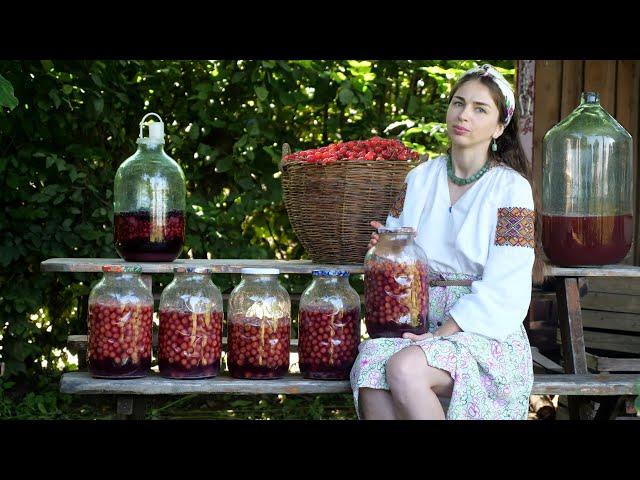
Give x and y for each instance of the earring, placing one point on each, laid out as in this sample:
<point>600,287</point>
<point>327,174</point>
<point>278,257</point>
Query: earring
<point>494,146</point>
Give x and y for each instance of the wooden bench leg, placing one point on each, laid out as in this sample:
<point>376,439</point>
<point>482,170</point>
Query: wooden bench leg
<point>572,335</point>
<point>132,407</point>
<point>609,407</point>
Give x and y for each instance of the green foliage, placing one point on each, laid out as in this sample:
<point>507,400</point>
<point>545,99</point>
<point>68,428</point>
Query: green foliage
<point>226,121</point>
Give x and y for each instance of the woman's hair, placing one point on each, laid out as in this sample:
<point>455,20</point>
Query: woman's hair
<point>511,154</point>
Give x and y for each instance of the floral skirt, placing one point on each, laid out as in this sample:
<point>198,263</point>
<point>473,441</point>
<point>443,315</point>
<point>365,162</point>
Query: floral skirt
<point>491,379</point>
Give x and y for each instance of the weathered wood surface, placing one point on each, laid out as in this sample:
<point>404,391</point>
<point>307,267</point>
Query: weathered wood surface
<point>226,265</point>
<point>557,384</point>
<point>612,302</point>
<point>603,271</point>
<point>606,364</point>
<point>609,341</point>
<point>545,362</point>
<point>626,322</point>
<point>570,320</point>
<point>627,286</point>
<point>89,265</point>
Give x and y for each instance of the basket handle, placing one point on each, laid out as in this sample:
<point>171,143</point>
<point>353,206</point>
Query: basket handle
<point>286,150</point>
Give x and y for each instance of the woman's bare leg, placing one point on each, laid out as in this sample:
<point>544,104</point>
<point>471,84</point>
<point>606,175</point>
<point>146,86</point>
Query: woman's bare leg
<point>414,385</point>
<point>376,404</point>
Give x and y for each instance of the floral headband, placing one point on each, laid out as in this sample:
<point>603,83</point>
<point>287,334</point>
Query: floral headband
<point>503,85</point>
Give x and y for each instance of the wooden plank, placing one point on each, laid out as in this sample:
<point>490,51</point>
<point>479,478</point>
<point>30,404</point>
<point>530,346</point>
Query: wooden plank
<point>626,112</point>
<point>612,302</point>
<point>570,320</point>
<point>610,341</point>
<point>556,384</point>
<point>92,265</point>
<point>600,77</point>
<point>626,322</point>
<point>606,364</point>
<point>546,108</point>
<point>595,271</point>
<point>545,362</point>
<point>572,81</point>
<point>627,286</point>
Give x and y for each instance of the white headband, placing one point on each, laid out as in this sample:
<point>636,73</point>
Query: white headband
<point>507,92</point>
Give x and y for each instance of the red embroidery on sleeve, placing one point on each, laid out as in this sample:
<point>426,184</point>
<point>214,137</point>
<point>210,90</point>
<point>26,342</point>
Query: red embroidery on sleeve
<point>515,227</point>
<point>398,203</point>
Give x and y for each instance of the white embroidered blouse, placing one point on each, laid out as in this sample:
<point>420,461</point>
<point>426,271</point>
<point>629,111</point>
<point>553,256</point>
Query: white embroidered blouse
<point>488,232</point>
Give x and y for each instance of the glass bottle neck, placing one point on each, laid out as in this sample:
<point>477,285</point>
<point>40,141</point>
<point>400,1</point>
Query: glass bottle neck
<point>191,277</point>
<point>253,278</point>
<point>589,99</point>
<point>150,148</point>
<point>397,237</point>
<point>331,280</point>
<point>110,277</point>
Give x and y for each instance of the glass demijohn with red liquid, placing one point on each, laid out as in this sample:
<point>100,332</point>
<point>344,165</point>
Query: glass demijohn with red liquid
<point>328,326</point>
<point>120,324</point>
<point>396,285</point>
<point>587,181</point>
<point>149,201</point>
<point>190,334</point>
<point>259,326</point>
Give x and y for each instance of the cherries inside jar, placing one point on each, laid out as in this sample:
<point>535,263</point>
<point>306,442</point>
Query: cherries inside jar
<point>396,285</point>
<point>120,324</point>
<point>259,347</point>
<point>191,317</point>
<point>328,326</point>
<point>259,326</point>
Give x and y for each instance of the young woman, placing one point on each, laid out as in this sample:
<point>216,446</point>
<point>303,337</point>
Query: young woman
<point>474,215</point>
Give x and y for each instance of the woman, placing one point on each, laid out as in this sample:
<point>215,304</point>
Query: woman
<point>474,215</point>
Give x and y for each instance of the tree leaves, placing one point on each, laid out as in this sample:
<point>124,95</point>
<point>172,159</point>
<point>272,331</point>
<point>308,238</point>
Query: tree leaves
<point>7,99</point>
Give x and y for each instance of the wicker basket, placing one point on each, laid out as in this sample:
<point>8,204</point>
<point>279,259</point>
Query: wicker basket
<point>331,206</point>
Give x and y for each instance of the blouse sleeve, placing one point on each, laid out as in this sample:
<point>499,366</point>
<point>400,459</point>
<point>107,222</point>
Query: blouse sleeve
<point>498,303</point>
<point>394,219</point>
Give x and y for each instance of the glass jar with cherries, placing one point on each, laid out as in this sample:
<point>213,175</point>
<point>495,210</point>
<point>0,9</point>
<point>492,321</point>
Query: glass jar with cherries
<point>120,324</point>
<point>259,326</point>
<point>190,334</point>
<point>328,326</point>
<point>396,285</point>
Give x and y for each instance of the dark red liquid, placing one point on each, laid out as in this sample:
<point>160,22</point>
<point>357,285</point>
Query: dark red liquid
<point>189,344</point>
<point>574,241</point>
<point>328,343</point>
<point>257,349</point>
<point>138,239</point>
<point>119,340</point>
<point>396,298</point>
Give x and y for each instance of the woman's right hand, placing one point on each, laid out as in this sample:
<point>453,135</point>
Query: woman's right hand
<point>374,235</point>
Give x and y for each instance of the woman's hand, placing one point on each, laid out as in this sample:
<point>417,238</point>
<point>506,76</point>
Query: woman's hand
<point>374,235</point>
<point>416,338</point>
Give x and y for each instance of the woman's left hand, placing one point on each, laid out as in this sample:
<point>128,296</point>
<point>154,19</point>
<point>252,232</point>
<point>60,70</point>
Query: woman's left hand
<point>416,338</point>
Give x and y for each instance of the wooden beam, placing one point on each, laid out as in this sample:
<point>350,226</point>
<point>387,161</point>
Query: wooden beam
<point>570,320</point>
<point>572,81</point>
<point>626,322</point>
<point>612,302</point>
<point>600,77</point>
<point>556,384</point>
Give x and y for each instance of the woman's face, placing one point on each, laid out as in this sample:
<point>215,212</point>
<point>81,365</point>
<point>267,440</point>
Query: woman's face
<point>472,116</point>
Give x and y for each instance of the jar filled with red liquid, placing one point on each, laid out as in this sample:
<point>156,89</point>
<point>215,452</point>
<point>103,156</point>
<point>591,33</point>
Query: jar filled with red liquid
<point>190,334</point>
<point>396,285</point>
<point>259,326</point>
<point>328,326</point>
<point>587,182</point>
<point>149,201</point>
<point>120,324</point>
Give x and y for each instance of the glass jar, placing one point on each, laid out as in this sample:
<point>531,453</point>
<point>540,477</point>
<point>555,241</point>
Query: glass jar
<point>587,181</point>
<point>190,334</point>
<point>149,201</point>
<point>328,326</point>
<point>120,324</point>
<point>259,326</point>
<point>396,285</point>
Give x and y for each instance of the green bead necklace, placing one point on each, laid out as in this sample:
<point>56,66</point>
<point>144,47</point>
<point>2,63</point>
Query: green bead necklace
<point>465,181</point>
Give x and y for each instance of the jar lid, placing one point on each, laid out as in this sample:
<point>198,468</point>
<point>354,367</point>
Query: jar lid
<point>191,269</point>
<point>397,230</point>
<point>330,273</point>
<point>260,271</point>
<point>122,268</point>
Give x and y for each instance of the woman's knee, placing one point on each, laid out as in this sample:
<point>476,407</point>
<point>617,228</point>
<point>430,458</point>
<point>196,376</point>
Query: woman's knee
<point>405,367</point>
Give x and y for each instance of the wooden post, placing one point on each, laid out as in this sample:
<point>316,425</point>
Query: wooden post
<point>572,336</point>
<point>131,407</point>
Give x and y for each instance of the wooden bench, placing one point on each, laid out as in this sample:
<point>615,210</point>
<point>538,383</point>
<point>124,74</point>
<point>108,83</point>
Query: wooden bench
<point>576,382</point>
